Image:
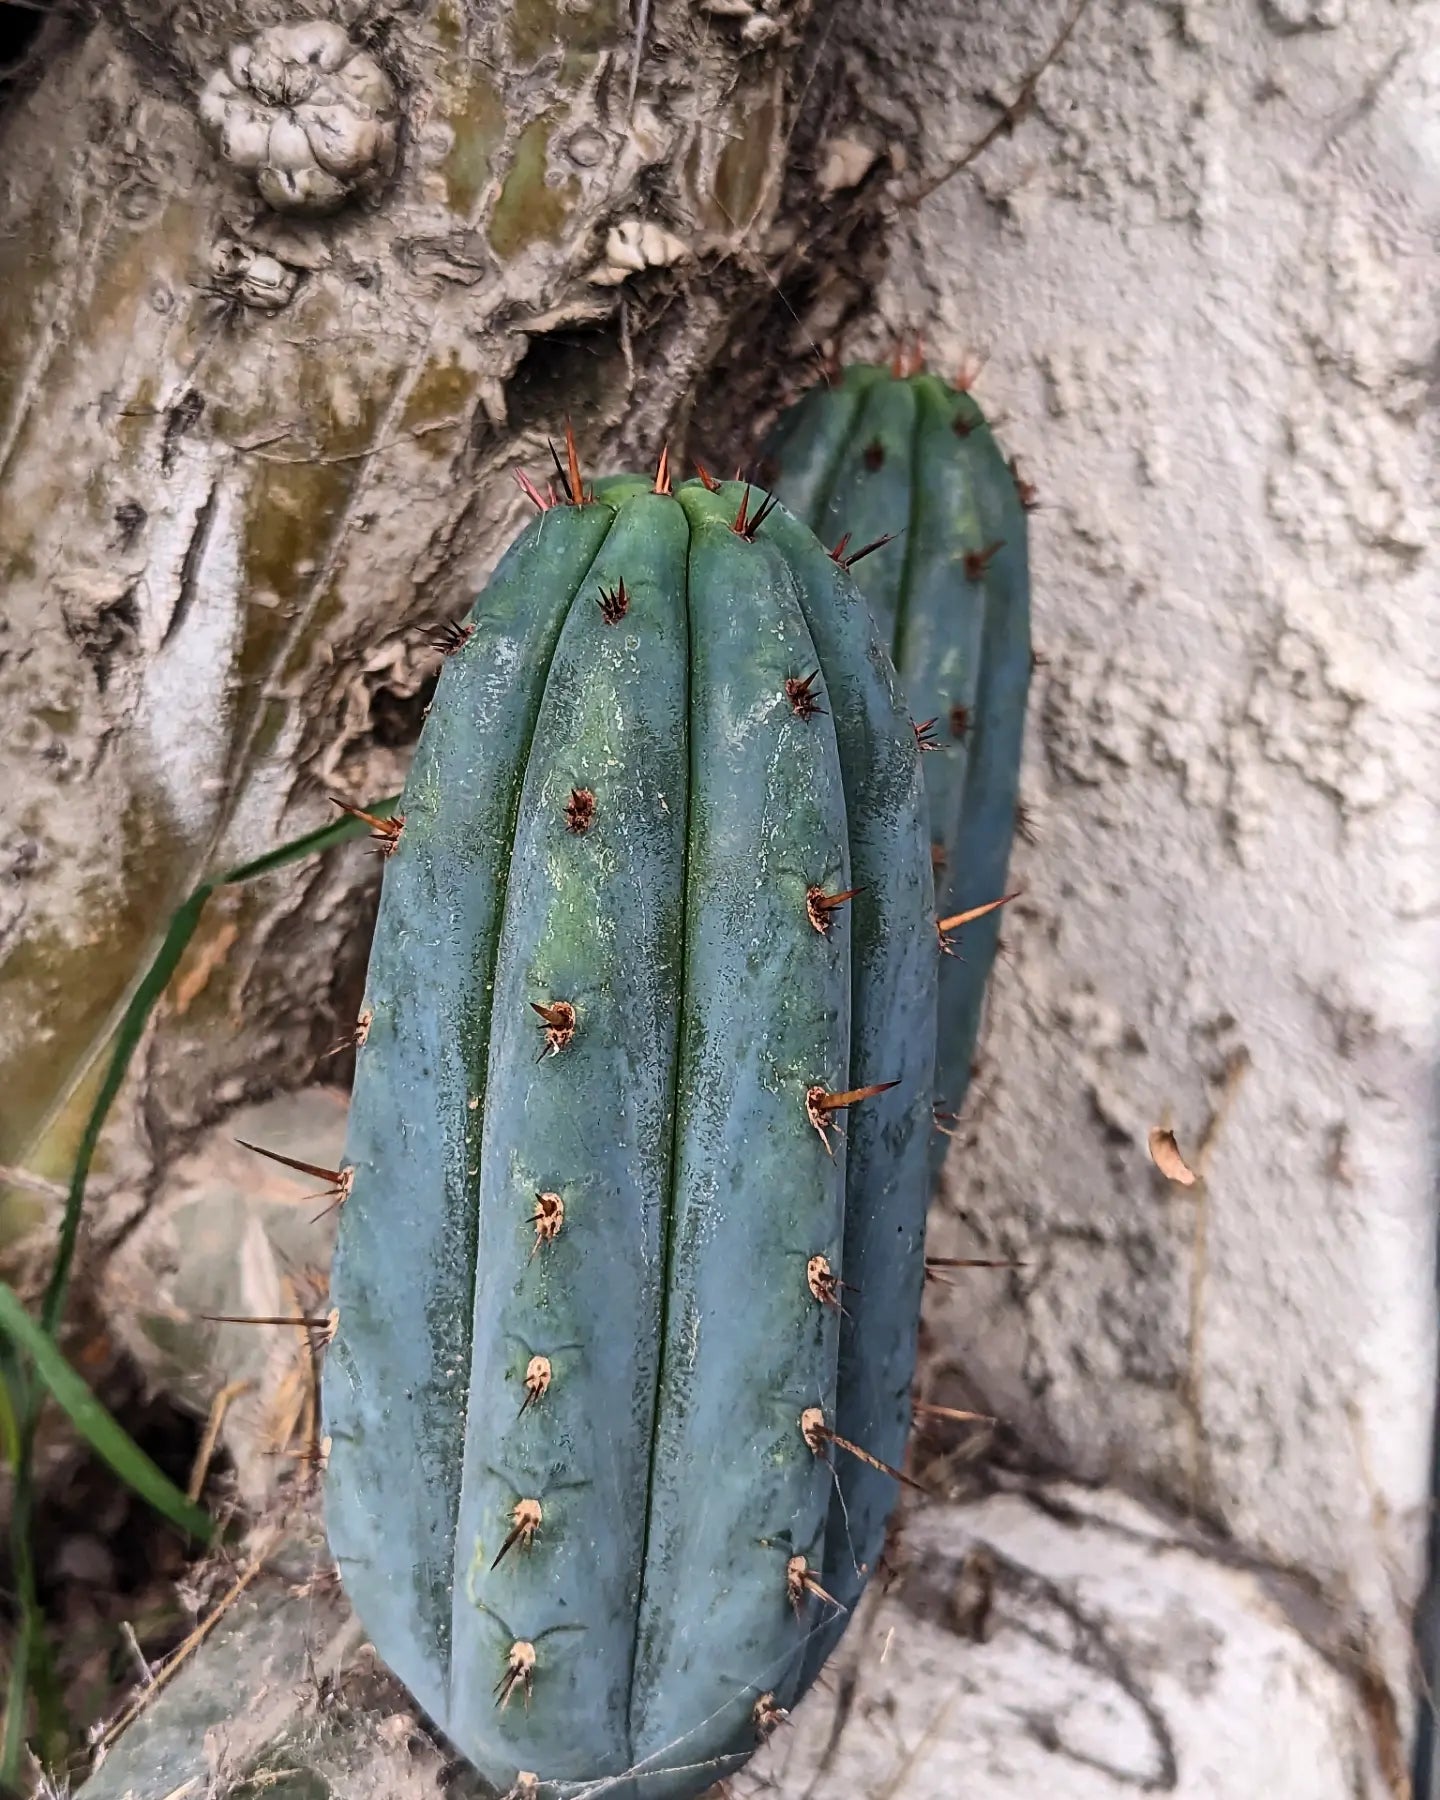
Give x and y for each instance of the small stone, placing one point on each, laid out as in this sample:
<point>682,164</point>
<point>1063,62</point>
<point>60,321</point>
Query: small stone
<point>847,161</point>
<point>86,1560</point>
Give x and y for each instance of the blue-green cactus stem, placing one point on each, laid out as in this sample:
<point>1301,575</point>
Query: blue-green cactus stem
<point>597,1149</point>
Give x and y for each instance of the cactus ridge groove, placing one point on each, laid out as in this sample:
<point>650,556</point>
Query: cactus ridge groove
<point>667,1249</point>
<point>502,895</point>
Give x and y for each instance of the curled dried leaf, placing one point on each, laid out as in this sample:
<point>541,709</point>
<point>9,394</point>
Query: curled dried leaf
<point>1165,1154</point>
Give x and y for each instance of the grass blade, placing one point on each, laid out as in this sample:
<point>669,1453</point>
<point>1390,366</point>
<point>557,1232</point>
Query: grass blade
<point>30,1665</point>
<point>106,1438</point>
<point>142,1003</point>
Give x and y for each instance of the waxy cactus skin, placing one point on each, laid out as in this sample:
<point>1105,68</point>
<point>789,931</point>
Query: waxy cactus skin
<point>880,453</point>
<point>638,1143</point>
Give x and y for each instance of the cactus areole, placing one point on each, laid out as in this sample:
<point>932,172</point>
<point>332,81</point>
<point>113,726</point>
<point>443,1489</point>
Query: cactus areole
<point>632,1249</point>
<point>891,452</point>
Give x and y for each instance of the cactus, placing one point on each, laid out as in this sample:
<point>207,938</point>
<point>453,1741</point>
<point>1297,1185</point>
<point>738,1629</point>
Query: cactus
<point>626,1321</point>
<point>887,453</point>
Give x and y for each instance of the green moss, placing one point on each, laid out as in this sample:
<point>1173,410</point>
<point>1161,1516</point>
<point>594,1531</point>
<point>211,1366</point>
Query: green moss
<point>27,274</point>
<point>744,166</point>
<point>267,732</point>
<point>325,610</point>
<point>442,391</point>
<point>478,122</point>
<point>291,510</point>
<point>131,264</point>
<point>540,25</point>
<point>528,209</point>
<point>575,65</point>
<point>68,985</point>
<point>137,418</point>
<point>287,514</point>
<point>206,988</point>
<point>17,563</point>
<point>449,26</point>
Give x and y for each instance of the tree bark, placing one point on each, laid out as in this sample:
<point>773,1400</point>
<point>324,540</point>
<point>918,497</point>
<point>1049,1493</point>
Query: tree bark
<point>247,456</point>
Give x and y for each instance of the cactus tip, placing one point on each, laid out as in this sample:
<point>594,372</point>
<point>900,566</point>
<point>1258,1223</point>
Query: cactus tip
<point>572,482</point>
<point>818,1436</point>
<point>954,1412</point>
<point>971,365</point>
<point>767,1716</point>
<point>908,359</point>
<point>707,480</point>
<point>934,1264</point>
<point>355,1038</point>
<point>537,1371</point>
<point>824,1284</point>
<point>925,738</point>
<point>819,1104</point>
<point>945,926</point>
<point>543,502</point>
<point>1025,491</point>
<point>339,1181</point>
<point>800,1580</point>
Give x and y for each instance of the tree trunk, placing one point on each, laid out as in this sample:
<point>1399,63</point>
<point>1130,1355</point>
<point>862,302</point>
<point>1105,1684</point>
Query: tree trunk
<point>249,458</point>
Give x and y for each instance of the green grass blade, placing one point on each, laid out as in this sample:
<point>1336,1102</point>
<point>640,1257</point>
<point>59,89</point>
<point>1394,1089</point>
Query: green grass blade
<point>132,1025</point>
<point>32,1668</point>
<point>12,1746</point>
<point>9,1425</point>
<point>105,1437</point>
<point>30,1665</point>
<point>142,1003</point>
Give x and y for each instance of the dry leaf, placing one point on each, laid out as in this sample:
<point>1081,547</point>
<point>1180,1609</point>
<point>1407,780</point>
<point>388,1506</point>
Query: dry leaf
<point>1165,1154</point>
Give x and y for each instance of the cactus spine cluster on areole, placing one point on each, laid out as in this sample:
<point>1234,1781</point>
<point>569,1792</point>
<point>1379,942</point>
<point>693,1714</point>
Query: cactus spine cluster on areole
<point>626,1320</point>
<point>899,452</point>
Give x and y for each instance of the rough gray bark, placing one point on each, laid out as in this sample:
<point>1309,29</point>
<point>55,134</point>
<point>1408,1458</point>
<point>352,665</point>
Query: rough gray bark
<point>246,456</point>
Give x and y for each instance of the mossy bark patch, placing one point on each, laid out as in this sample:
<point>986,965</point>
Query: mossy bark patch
<point>477,119</point>
<point>540,25</point>
<point>529,209</point>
